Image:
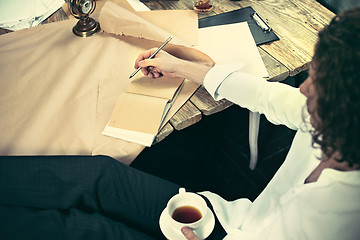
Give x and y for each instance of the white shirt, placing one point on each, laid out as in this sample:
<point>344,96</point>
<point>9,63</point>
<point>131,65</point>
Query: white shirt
<point>287,208</point>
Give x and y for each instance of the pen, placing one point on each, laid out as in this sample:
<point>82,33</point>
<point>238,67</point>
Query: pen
<point>152,55</point>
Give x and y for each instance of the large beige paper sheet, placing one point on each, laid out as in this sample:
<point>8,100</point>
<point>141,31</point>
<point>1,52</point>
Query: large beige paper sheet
<point>57,90</point>
<point>155,25</point>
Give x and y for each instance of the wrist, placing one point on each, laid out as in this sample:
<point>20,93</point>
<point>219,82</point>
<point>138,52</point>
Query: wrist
<point>194,71</point>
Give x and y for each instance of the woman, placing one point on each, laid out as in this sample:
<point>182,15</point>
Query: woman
<point>312,185</point>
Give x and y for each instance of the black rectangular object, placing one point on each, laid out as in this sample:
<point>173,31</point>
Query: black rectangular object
<point>240,15</point>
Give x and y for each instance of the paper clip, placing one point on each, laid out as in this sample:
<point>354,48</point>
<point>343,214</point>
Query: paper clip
<point>260,22</point>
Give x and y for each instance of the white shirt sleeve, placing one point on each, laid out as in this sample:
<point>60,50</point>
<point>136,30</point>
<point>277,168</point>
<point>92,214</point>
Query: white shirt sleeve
<point>281,104</point>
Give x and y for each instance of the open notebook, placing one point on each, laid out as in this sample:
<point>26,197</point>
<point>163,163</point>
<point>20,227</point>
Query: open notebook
<point>140,111</point>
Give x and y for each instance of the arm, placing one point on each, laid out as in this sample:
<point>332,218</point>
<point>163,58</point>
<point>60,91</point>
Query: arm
<point>280,103</point>
<point>170,66</point>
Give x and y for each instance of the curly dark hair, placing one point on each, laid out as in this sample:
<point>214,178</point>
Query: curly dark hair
<point>336,63</point>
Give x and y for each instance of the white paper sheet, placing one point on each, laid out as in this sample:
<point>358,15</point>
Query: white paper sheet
<point>20,14</point>
<point>232,43</point>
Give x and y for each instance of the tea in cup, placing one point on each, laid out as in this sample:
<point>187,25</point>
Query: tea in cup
<point>186,209</point>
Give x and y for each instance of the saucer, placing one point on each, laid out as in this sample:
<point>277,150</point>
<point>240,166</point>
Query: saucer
<point>174,234</point>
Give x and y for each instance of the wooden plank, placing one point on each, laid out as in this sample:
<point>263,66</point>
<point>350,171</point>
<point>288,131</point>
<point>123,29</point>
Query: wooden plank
<point>276,70</point>
<point>166,5</point>
<point>59,15</point>
<point>297,24</point>
<point>220,6</point>
<point>3,31</point>
<point>187,115</point>
<point>207,105</point>
<point>164,132</point>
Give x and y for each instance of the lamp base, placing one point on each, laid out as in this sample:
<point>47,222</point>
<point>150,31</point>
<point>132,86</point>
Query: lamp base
<point>86,27</point>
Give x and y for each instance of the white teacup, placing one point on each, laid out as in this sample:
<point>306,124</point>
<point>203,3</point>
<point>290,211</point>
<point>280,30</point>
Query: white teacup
<point>186,209</point>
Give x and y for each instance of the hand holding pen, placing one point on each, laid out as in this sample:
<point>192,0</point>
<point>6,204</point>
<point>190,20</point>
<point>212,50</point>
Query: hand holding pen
<point>165,64</point>
<point>141,57</point>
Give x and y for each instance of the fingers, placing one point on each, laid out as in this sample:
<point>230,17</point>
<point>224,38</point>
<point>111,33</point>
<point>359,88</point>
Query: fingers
<point>157,73</point>
<point>144,55</point>
<point>189,234</point>
<point>147,63</point>
<point>157,66</point>
<point>151,72</point>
